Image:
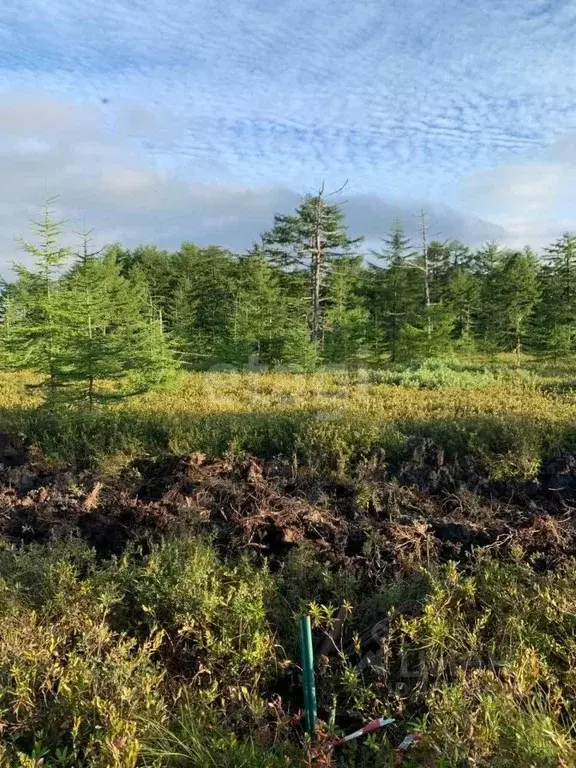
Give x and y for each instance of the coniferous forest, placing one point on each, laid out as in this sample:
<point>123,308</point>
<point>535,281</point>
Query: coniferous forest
<point>307,294</point>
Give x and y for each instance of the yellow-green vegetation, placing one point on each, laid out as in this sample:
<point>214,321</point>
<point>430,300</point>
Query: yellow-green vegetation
<point>165,660</point>
<point>181,650</point>
<point>508,416</point>
<point>86,670</point>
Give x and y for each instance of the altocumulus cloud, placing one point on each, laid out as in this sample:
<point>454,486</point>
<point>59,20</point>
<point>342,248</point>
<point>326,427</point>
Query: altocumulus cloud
<point>214,114</point>
<point>50,147</point>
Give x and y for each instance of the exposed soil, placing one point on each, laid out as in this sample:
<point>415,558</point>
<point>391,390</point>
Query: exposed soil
<point>371,521</point>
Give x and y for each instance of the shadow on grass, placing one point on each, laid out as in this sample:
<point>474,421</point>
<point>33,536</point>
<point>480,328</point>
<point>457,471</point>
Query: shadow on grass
<point>328,441</point>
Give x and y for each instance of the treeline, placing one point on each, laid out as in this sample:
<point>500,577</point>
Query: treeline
<point>90,331</point>
<point>305,294</point>
<point>308,293</point>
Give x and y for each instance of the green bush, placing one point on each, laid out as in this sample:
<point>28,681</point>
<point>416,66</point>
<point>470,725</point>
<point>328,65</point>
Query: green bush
<point>499,646</point>
<point>486,721</point>
<point>436,374</point>
<point>71,689</point>
<point>212,613</point>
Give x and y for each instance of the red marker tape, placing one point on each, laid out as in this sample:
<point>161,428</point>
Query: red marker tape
<point>372,726</point>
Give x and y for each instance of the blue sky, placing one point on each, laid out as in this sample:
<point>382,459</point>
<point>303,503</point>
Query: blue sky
<point>196,117</point>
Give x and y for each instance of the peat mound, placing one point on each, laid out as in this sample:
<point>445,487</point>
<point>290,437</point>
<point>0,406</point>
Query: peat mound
<point>368,522</point>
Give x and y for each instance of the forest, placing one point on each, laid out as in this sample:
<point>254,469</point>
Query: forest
<point>306,295</point>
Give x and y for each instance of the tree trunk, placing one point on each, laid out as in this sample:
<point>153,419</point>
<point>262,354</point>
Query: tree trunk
<point>426,273</point>
<point>317,265</point>
<point>316,333</point>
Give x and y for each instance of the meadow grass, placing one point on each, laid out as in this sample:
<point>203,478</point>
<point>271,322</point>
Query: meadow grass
<point>509,417</point>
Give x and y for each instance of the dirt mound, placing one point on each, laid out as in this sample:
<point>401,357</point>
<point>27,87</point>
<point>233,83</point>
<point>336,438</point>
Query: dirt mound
<point>367,523</point>
<point>14,449</point>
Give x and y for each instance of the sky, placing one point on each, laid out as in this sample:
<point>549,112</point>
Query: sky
<point>169,120</point>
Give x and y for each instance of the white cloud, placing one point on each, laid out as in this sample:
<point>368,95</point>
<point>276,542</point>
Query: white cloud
<point>532,199</point>
<point>123,193</point>
<point>403,96</point>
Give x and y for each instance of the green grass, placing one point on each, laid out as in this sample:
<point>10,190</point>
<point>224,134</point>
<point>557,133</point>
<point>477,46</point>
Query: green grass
<point>508,418</point>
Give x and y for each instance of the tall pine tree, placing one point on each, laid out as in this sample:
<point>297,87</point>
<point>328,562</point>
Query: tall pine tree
<point>556,312</point>
<point>114,342</point>
<point>396,292</point>
<point>37,335</point>
<point>345,316</point>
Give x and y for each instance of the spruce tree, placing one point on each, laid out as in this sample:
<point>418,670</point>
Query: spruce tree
<point>556,311</point>
<point>515,293</point>
<point>201,312</point>
<point>398,293</point>
<point>346,318</point>
<point>115,343</point>
<point>260,314</point>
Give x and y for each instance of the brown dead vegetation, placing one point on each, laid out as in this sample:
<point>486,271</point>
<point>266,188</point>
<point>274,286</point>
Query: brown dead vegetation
<point>370,521</point>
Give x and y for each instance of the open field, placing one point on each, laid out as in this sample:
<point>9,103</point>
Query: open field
<point>155,556</point>
<point>507,416</point>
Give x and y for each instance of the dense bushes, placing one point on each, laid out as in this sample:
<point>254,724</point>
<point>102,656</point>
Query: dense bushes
<point>172,657</point>
<point>507,419</point>
<point>71,688</point>
<point>91,654</point>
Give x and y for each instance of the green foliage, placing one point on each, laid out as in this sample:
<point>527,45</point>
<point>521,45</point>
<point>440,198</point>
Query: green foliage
<point>434,374</point>
<point>556,312</point>
<point>213,614</point>
<point>71,689</point>
<point>495,640</point>
<point>396,293</point>
<point>509,295</point>
<point>302,296</point>
<point>202,307</point>
<point>431,340</point>
<point>346,317</point>
<point>311,240</point>
<point>35,336</point>
<point>110,334</point>
<point>462,294</point>
<point>200,736</point>
<point>85,329</point>
<point>299,352</point>
<point>260,314</point>
<point>169,658</point>
<point>81,643</point>
<point>484,720</point>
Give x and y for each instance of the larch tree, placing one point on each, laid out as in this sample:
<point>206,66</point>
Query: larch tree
<point>260,312</point>
<point>396,289</point>
<point>345,316</point>
<point>202,307</point>
<point>115,340</point>
<point>557,309</point>
<point>311,239</point>
<point>462,295</point>
<point>515,286</point>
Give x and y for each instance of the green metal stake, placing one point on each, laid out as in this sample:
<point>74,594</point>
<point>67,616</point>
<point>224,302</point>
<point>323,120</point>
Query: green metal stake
<point>308,683</point>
